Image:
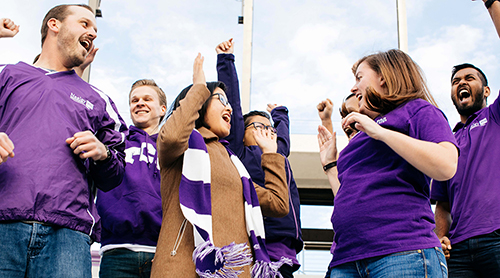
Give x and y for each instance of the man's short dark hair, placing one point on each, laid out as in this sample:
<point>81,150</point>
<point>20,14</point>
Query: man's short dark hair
<point>60,13</point>
<point>481,74</point>
<point>249,115</point>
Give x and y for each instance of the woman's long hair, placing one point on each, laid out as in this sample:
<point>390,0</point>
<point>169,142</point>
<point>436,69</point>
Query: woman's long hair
<point>403,77</point>
<point>201,119</point>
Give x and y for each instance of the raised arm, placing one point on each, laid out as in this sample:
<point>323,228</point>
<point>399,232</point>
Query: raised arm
<point>273,198</point>
<point>325,109</point>
<point>436,160</point>
<point>7,28</point>
<point>226,73</point>
<point>328,154</point>
<point>494,11</point>
<point>173,137</point>
<point>279,114</point>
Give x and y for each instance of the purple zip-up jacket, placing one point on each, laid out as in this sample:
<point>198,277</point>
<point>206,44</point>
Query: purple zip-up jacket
<point>131,213</point>
<point>45,181</point>
<point>283,235</point>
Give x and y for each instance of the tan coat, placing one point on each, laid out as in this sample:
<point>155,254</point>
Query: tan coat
<point>228,219</point>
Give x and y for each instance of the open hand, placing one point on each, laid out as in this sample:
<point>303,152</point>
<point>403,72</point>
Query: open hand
<point>266,140</point>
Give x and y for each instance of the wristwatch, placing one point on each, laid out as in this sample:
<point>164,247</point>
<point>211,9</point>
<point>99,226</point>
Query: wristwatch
<point>489,3</point>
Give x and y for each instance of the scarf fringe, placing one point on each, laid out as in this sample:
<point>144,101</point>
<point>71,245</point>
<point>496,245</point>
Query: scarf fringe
<point>233,257</point>
<point>269,269</point>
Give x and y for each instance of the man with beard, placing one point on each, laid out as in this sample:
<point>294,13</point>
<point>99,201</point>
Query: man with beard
<point>468,205</point>
<point>68,141</point>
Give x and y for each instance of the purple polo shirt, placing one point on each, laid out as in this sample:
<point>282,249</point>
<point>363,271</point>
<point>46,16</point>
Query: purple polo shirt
<point>474,191</point>
<point>382,206</point>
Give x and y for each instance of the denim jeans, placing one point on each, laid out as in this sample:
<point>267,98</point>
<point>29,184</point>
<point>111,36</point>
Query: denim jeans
<point>478,256</point>
<point>418,263</point>
<point>124,263</point>
<point>37,250</point>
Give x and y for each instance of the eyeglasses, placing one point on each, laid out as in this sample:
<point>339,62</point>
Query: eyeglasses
<point>259,126</point>
<point>223,100</point>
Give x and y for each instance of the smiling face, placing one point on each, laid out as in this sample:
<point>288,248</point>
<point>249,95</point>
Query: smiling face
<point>467,92</point>
<point>145,108</point>
<point>76,35</point>
<point>218,116</point>
<point>366,77</point>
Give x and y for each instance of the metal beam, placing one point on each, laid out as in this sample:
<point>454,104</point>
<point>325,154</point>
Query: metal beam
<point>246,77</point>
<point>95,5</point>
<point>402,25</point>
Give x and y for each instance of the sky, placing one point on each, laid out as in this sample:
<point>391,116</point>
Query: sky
<point>303,51</point>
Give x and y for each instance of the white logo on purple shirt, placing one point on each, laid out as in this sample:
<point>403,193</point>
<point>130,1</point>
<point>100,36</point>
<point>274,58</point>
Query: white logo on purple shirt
<point>82,101</point>
<point>136,151</point>
<point>381,121</point>
<point>482,122</point>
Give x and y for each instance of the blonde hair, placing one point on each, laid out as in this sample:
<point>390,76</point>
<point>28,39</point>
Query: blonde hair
<point>404,80</point>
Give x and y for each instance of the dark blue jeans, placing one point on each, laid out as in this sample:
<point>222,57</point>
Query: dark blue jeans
<point>36,250</point>
<point>125,263</point>
<point>478,256</point>
<point>410,264</point>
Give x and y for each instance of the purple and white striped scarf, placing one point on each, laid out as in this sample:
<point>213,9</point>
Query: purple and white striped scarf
<point>196,205</point>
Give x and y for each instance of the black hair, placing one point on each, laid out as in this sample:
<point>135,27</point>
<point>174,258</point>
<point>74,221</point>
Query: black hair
<point>481,74</point>
<point>201,118</point>
<point>247,116</point>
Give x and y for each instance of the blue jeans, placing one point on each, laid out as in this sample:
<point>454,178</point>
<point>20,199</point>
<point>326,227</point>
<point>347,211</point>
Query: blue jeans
<point>478,256</point>
<point>36,250</point>
<point>124,263</point>
<point>418,263</point>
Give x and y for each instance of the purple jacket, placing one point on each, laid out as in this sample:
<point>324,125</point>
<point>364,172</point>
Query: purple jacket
<point>131,213</point>
<point>286,231</point>
<point>45,181</point>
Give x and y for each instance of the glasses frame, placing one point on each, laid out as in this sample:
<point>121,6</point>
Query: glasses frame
<point>222,99</point>
<point>268,127</point>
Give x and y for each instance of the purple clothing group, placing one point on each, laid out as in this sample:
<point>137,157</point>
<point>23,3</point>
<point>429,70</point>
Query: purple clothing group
<point>131,213</point>
<point>474,192</point>
<point>283,235</point>
<point>45,181</point>
<point>382,206</point>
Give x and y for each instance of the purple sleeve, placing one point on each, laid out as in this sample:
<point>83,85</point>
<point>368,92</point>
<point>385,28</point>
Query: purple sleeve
<point>111,131</point>
<point>430,124</point>
<point>226,73</point>
<point>282,125</point>
<point>495,110</point>
<point>439,191</point>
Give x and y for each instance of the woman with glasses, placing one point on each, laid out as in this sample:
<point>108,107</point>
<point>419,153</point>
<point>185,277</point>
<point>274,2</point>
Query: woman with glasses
<point>212,222</point>
<point>382,219</point>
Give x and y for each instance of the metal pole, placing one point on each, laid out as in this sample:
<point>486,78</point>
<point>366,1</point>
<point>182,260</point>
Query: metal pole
<point>246,76</point>
<point>402,25</point>
<point>94,4</point>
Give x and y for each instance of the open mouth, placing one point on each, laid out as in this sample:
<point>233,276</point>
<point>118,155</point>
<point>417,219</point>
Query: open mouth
<point>86,43</point>
<point>141,112</point>
<point>463,94</point>
<point>226,117</point>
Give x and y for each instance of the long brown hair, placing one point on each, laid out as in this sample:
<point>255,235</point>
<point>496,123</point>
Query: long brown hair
<point>403,77</point>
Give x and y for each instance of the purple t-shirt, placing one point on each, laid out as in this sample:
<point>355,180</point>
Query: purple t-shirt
<point>382,205</point>
<point>474,191</point>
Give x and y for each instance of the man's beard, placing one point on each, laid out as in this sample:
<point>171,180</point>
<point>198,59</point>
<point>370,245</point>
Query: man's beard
<point>71,49</point>
<point>467,110</point>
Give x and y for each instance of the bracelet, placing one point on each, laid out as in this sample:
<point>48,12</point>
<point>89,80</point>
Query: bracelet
<point>489,3</point>
<point>329,165</point>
